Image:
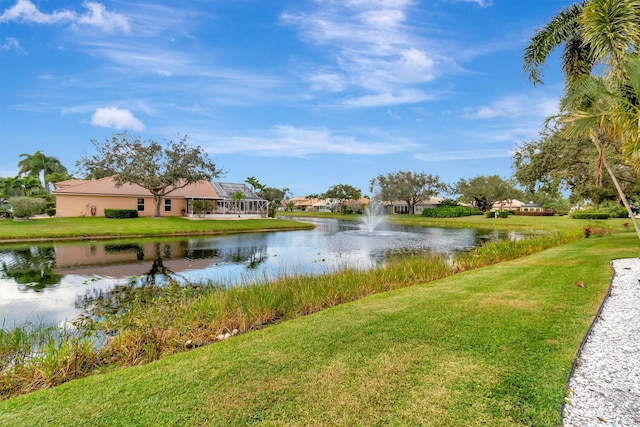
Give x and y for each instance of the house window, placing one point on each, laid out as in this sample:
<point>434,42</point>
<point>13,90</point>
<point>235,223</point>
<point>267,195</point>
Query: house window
<point>401,209</point>
<point>140,205</point>
<point>167,205</point>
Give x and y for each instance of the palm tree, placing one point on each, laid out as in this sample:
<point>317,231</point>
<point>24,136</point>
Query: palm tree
<point>254,183</point>
<point>237,197</point>
<point>564,28</point>
<point>39,163</point>
<point>593,32</point>
<point>30,184</point>
<point>605,111</point>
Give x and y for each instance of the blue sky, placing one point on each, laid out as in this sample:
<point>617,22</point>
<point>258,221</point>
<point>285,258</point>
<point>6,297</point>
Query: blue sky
<point>300,94</point>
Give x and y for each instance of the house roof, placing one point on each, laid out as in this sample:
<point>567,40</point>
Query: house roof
<point>107,187</point>
<point>513,203</point>
<point>429,201</point>
<point>225,190</point>
<point>68,183</point>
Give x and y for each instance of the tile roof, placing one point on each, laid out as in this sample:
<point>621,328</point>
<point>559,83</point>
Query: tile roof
<point>107,187</point>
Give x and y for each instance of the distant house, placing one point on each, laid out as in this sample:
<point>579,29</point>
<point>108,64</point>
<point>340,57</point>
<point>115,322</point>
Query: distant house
<point>531,207</point>
<point>76,198</point>
<point>301,203</point>
<point>402,207</point>
<point>534,209</point>
<point>509,205</point>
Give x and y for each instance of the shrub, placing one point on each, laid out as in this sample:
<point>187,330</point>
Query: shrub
<point>500,214</point>
<point>450,212</point>
<point>615,210</point>
<point>546,212</point>
<point>448,203</point>
<point>25,207</point>
<point>5,213</point>
<point>120,213</point>
<point>50,211</point>
<point>589,215</point>
<point>201,207</point>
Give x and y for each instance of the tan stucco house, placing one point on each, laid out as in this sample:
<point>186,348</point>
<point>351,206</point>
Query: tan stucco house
<point>402,207</point>
<point>76,198</point>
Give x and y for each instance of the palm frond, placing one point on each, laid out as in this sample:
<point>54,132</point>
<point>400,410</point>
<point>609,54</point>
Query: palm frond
<point>611,28</point>
<point>562,28</point>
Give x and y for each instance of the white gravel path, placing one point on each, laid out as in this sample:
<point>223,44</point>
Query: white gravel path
<point>604,389</point>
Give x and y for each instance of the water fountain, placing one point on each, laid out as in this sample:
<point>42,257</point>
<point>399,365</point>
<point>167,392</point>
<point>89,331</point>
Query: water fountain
<point>373,216</point>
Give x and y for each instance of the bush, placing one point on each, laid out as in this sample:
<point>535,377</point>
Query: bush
<point>201,207</point>
<point>450,212</point>
<point>26,207</point>
<point>120,213</point>
<point>50,211</point>
<point>589,215</point>
<point>615,210</point>
<point>448,203</point>
<point>5,213</point>
<point>501,214</point>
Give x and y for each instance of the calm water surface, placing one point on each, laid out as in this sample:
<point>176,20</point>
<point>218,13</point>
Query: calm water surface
<point>54,282</point>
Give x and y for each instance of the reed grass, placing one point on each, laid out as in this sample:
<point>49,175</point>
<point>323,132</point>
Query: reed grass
<point>181,318</point>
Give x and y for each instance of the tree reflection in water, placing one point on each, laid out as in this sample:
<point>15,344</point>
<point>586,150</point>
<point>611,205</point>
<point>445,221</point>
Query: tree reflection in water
<point>31,267</point>
<point>160,280</point>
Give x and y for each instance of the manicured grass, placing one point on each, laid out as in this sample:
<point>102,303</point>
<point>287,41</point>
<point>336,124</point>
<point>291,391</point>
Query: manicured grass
<point>513,222</point>
<point>491,346</point>
<point>61,228</point>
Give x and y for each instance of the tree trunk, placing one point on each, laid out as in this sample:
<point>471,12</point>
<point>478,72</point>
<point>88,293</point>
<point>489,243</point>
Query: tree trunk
<point>157,201</point>
<point>605,162</point>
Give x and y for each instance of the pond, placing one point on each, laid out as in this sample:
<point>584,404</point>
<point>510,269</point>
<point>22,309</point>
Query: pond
<point>54,282</point>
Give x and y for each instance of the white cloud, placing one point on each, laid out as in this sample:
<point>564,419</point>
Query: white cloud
<point>99,16</point>
<point>532,105</point>
<point>113,117</point>
<point>96,16</point>
<point>464,155</point>
<point>385,99</point>
<point>289,141</point>
<point>11,43</point>
<point>333,82</point>
<point>372,49</point>
<point>25,11</point>
<point>481,3</point>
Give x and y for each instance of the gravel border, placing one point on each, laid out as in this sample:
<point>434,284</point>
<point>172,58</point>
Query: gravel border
<point>604,384</point>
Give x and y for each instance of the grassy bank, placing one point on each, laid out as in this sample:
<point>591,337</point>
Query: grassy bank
<point>513,222</point>
<point>491,346</point>
<point>78,228</point>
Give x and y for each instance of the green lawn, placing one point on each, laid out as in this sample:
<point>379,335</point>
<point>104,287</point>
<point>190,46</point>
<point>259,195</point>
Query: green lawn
<point>513,222</point>
<point>488,347</point>
<point>61,228</point>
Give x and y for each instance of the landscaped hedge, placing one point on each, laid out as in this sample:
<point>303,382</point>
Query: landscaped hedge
<point>589,215</point>
<point>450,212</point>
<point>546,212</point>
<point>120,213</point>
<point>501,214</point>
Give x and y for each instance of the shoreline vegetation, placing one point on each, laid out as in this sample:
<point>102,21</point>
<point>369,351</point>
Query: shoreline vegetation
<point>485,338</point>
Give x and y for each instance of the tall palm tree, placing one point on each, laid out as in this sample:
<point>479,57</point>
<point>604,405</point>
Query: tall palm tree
<point>38,163</point>
<point>594,32</point>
